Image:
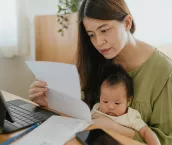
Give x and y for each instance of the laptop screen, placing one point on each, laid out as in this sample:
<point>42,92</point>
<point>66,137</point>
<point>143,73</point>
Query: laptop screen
<point>4,111</point>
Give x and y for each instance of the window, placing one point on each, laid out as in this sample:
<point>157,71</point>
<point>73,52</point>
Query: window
<point>13,28</point>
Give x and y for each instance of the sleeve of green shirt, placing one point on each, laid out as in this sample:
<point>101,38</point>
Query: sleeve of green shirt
<point>161,118</point>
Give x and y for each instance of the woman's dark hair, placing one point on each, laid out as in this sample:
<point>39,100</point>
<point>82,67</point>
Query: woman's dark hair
<point>89,60</point>
<point>114,75</point>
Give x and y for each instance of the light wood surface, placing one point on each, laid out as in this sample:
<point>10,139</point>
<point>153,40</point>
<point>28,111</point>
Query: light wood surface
<point>122,139</point>
<point>50,45</point>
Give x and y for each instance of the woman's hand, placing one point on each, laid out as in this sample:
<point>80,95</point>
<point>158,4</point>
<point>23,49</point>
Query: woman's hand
<point>104,122</point>
<point>37,93</point>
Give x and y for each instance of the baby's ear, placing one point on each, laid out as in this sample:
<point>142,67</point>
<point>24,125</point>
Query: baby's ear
<point>130,100</point>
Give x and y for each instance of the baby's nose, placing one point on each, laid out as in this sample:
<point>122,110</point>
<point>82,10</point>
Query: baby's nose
<point>111,107</point>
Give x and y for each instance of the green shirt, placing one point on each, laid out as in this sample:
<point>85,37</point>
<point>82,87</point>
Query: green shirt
<point>153,95</point>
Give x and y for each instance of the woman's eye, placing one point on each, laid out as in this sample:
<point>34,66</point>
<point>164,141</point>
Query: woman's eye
<point>104,31</point>
<point>91,35</point>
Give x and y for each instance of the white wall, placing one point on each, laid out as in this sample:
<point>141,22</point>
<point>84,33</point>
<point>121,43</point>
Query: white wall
<point>166,49</point>
<point>15,77</point>
<point>153,21</point>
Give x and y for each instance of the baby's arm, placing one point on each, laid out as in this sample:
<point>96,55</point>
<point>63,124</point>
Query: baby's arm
<point>149,136</point>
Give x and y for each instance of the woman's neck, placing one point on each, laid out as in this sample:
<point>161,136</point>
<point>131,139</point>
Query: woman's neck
<point>134,54</point>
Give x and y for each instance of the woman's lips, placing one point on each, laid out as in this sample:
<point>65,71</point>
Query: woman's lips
<point>105,51</point>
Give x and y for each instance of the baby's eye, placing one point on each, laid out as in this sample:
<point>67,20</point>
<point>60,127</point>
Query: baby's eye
<point>105,101</point>
<point>117,103</point>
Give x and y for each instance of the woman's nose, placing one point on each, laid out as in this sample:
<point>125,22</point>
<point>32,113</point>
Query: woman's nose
<point>100,40</point>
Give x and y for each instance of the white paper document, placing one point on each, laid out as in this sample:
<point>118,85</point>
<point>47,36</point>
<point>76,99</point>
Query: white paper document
<point>56,130</point>
<point>64,93</point>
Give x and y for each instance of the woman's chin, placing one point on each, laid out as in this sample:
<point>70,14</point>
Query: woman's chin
<point>109,56</point>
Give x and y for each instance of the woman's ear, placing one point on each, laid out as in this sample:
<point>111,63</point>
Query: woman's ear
<point>130,100</point>
<point>128,22</point>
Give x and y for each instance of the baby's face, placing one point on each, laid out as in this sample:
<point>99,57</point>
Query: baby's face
<point>113,99</point>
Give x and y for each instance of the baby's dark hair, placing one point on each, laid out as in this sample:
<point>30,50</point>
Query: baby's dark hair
<point>114,74</point>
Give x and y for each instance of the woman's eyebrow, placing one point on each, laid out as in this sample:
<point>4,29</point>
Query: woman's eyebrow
<point>103,25</point>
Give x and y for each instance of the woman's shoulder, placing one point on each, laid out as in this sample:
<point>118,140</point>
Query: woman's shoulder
<point>161,65</point>
<point>162,60</point>
<point>158,63</point>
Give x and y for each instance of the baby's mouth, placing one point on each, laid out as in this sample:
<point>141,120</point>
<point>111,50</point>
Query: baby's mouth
<point>111,113</point>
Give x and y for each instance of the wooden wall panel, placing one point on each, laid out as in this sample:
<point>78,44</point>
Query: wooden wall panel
<point>50,45</point>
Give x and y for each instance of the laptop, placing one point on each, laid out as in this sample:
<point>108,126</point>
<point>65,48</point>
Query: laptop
<point>18,114</point>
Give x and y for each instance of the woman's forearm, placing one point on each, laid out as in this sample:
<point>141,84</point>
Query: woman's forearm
<point>123,130</point>
<point>106,123</point>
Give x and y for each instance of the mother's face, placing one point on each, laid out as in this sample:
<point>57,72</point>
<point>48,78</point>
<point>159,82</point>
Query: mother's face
<point>109,37</point>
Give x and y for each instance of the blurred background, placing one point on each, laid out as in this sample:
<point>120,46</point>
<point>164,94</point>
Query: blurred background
<point>29,30</point>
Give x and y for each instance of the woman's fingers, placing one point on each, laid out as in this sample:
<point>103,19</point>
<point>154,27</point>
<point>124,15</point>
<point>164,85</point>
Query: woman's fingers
<point>38,84</point>
<point>37,90</point>
<point>42,101</point>
<point>37,93</point>
<point>34,96</point>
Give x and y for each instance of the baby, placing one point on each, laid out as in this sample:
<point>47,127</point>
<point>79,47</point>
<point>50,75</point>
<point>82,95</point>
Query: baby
<point>116,94</point>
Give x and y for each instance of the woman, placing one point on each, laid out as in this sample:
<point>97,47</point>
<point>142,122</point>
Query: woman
<point>106,30</point>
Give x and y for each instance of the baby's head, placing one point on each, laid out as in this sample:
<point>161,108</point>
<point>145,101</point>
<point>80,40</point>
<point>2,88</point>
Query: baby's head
<point>116,91</point>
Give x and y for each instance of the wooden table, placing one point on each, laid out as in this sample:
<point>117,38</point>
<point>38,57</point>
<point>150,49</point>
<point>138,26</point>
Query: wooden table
<point>122,139</point>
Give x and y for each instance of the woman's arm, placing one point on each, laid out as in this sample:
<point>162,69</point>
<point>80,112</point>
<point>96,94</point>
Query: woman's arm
<point>161,118</point>
<point>149,136</point>
<point>106,123</point>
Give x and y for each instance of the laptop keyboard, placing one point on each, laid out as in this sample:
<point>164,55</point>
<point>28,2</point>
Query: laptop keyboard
<point>22,117</point>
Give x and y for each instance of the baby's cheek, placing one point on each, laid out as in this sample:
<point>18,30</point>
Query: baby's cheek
<point>102,109</point>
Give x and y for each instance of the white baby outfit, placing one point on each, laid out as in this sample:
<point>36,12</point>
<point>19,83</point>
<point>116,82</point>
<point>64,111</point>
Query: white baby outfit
<point>131,119</point>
